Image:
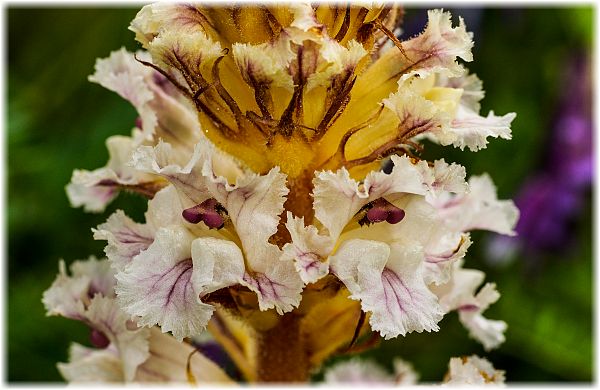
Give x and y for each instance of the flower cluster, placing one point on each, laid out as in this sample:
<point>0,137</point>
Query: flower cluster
<point>289,211</point>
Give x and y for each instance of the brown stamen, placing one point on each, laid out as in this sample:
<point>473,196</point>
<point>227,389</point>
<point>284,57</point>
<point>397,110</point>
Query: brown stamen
<point>391,36</point>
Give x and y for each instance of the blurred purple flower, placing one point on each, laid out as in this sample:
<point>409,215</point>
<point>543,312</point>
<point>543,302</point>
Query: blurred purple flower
<point>550,200</point>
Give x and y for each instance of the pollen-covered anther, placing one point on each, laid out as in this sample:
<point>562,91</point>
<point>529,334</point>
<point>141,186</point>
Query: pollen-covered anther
<point>98,339</point>
<point>381,210</point>
<point>210,212</point>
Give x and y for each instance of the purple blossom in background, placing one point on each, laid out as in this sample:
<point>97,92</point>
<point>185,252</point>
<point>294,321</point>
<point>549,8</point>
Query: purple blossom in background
<point>550,200</point>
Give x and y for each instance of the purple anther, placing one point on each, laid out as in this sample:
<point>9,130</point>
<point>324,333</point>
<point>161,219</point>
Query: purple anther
<point>205,212</point>
<point>99,339</point>
<point>377,214</point>
<point>395,215</point>
<point>383,210</point>
<point>468,307</point>
<point>138,122</point>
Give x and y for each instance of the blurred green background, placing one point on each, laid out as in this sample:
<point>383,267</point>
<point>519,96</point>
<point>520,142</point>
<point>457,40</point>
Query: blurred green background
<point>57,121</point>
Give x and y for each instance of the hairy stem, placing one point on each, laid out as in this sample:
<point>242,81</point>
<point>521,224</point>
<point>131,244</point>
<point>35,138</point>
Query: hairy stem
<point>281,356</point>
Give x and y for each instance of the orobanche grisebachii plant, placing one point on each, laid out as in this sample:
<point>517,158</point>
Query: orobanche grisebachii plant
<point>290,215</point>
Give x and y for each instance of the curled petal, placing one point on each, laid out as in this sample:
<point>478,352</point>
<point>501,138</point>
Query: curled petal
<point>66,295</point>
<point>478,209</point>
<point>95,189</point>
<point>165,113</point>
<point>416,114</point>
<point>336,61</point>
<point>165,161</point>
<point>101,276</point>
<point>69,295</point>
<point>158,286</point>
<point>389,283</point>
<point>308,250</point>
<point>150,21</point>
<point>187,174</point>
<point>469,129</point>
<point>459,294</point>
<point>93,198</point>
<point>443,177</point>
<point>276,283</point>
<point>437,48</point>
<point>254,204</point>
<point>441,254</point>
<point>126,238</point>
<point>124,75</point>
<point>217,264</point>
<point>490,333</point>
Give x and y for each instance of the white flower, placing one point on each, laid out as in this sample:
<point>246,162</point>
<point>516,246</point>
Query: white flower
<point>472,370</point>
<point>362,372</point>
<point>389,242</point>
<point>250,208</point>
<point>88,296</point>
<point>164,113</point>
<point>166,363</point>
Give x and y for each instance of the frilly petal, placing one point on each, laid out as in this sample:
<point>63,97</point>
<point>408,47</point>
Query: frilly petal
<point>441,254</point>
<point>69,295</point>
<point>490,333</point>
<point>254,204</point>
<point>276,283</point>
<point>185,175</point>
<point>436,49</point>
<point>122,74</point>
<point>158,286</point>
<point>389,283</point>
<point>126,238</point>
<point>443,177</point>
<point>265,64</point>
<point>356,371</point>
<point>478,209</point>
<point>164,111</point>
<point>95,189</point>
<point>459,294</point>
<point>472,370</point>
<point>469,129</point>
<point>308,250</point>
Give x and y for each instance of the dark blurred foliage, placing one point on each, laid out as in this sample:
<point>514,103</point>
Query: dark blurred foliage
<point>57,121</point>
